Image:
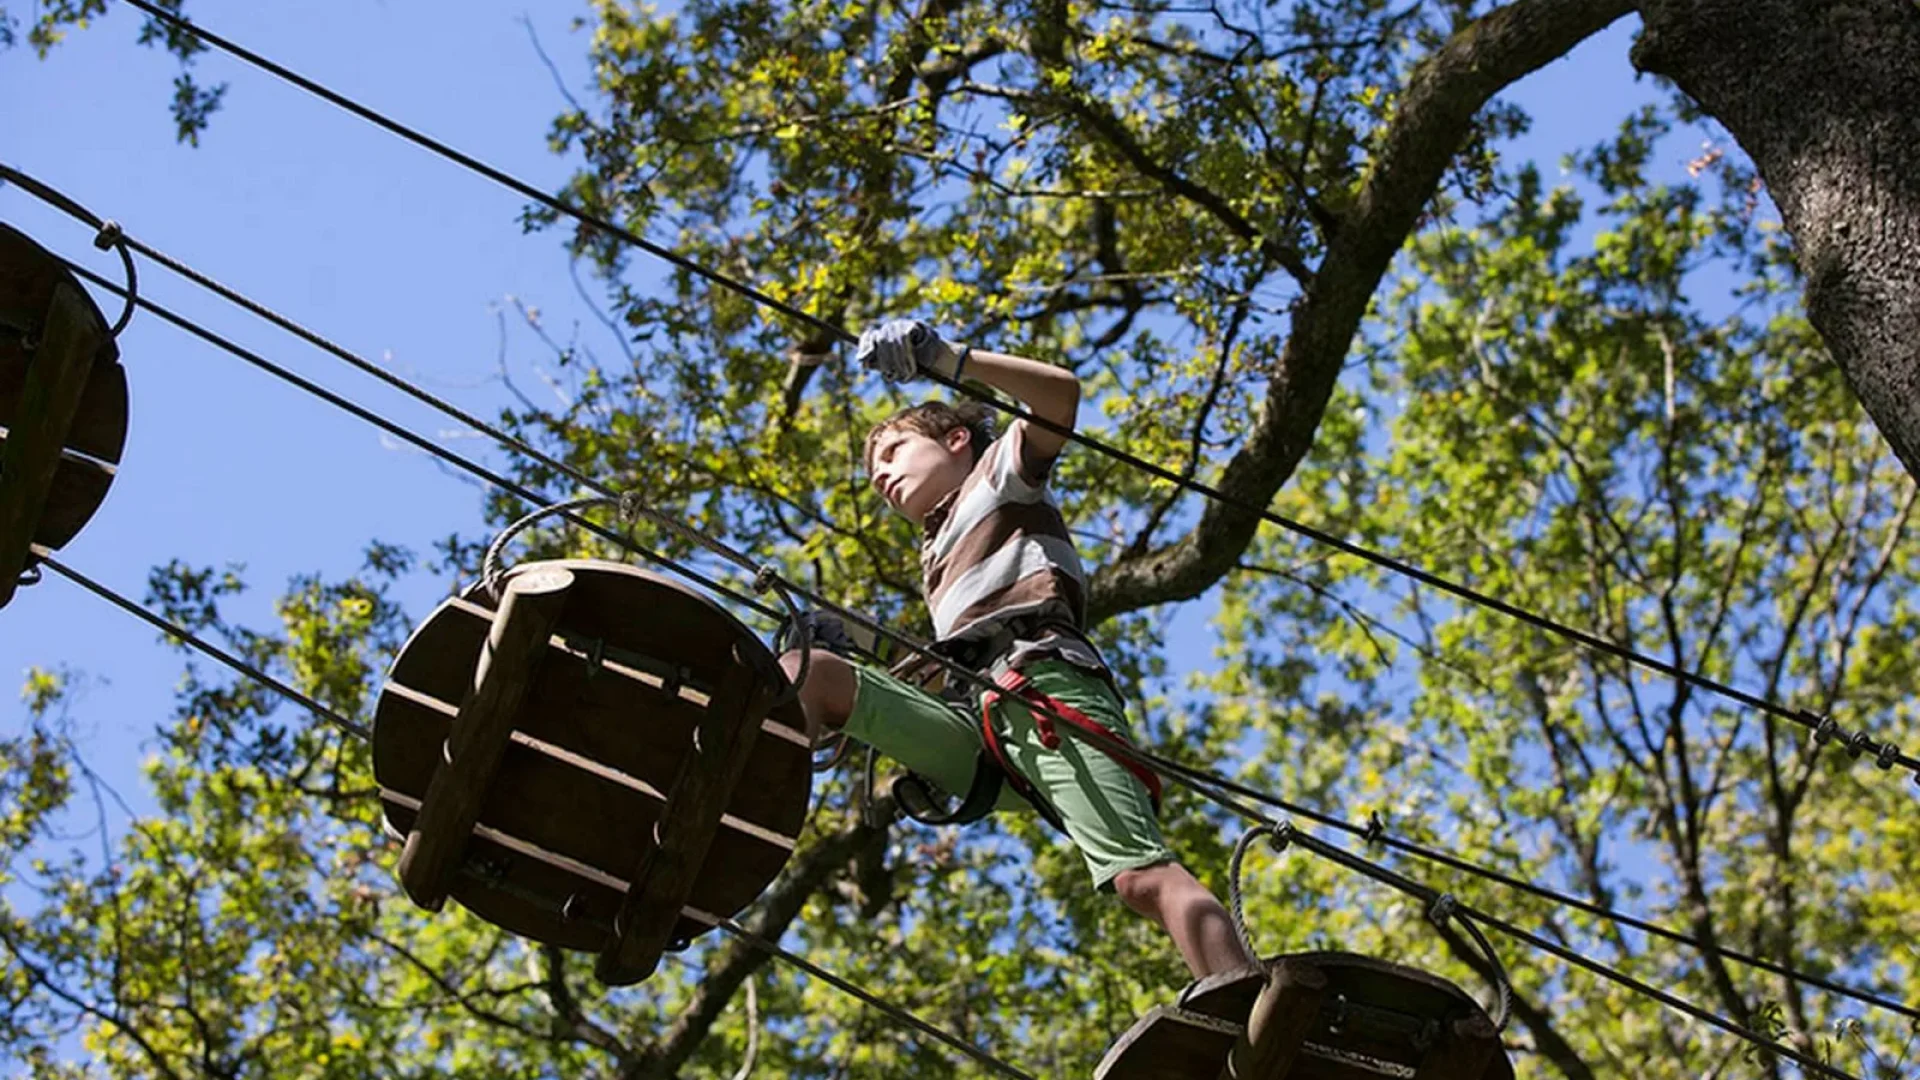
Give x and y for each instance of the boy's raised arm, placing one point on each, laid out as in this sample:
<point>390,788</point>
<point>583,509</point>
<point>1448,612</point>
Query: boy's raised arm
<point>1050,393</point>
<point>899,349</point>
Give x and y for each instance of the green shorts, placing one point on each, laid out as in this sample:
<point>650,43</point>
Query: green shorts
<point>1106,809</point>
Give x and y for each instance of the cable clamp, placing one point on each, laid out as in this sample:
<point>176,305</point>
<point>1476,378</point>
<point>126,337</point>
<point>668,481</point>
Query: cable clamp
<point>765,578</point>
<point>1281,836</point>
<point>1859,743</point>
<point>1887,756</point>
<point>1376,829</point>
<point>1442,908</point>
<point>1825,730</point>
<point>631,507</point>
<point>109,236</point>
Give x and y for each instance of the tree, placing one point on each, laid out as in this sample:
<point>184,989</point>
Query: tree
<point>1195,210</point>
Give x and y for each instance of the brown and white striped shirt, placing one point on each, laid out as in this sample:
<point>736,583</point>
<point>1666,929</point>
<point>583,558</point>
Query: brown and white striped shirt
<point>997,549</point>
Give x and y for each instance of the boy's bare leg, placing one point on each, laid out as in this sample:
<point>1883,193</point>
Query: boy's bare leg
<point>1198,923</point>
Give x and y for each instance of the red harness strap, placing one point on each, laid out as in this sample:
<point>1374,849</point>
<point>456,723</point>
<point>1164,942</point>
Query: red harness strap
<point>1019,686</point>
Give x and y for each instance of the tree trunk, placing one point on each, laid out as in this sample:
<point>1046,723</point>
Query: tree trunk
<point>1824,95</point>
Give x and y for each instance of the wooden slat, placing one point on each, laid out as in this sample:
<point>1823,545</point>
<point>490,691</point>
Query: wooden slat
<point>1466,1053</point>
<point>517,644</point>
<point>1170,1043</point>
<point>1229,995</point>
<point>28,276</point>
<point>1286,1011</point>
<point>541,779</point>
<point>595,746</point>
<point>99,428</point>
<point>80,485</point>
<point>1364,1027</point>
<point>625,724</point>
<point>31,457</point>
<point>543,895</point>
<point>669,871</point>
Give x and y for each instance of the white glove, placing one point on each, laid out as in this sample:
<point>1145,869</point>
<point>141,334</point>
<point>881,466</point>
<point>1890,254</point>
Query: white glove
<point>901,348</point>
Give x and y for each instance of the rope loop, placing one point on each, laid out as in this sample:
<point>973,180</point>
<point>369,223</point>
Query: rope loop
<point>1280,836</point>
<point>767,578</point>
<point>1887,756</point>
<point>108,235</point>
<point>1859,743</point>
<point>1444,906</point>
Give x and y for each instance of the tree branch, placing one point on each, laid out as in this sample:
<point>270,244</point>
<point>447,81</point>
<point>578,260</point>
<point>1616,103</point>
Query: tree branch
<point>777,910</point>
<point>1440,102</point>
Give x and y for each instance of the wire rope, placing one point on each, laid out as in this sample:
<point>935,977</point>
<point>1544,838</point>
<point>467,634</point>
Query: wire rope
<point>1825,729</point>
<point>365,734</point>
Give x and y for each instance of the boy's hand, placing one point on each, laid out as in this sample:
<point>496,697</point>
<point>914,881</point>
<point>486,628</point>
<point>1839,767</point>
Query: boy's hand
<point>901,348</point>
<point>828,631</point>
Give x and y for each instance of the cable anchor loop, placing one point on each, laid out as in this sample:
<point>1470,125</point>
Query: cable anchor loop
<point>1376,832</point>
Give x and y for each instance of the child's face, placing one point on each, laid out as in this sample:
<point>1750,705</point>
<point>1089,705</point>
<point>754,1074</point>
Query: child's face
<point>913,472</point>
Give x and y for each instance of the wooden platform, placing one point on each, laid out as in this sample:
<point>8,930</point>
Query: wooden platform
<point>1314,1016</point>
<point>63,406</point>
<point>615,764</point>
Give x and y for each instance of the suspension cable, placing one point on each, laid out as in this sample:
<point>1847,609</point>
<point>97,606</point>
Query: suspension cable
<point>1857,742</point>
<point>1213,786</point>
<point>1441,906</point>
<point>401,432</point>
<point>365,734</point>
<point>1825,730</point>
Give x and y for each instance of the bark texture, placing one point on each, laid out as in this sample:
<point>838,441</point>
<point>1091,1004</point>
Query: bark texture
<point>1824,96</point>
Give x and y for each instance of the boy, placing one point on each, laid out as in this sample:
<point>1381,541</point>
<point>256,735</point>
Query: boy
<point>1008,596</point>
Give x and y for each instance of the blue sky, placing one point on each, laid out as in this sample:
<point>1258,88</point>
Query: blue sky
<point>389,250</point>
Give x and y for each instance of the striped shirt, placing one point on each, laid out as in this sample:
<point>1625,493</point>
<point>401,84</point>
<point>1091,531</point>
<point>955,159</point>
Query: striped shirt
<point>997,549</point>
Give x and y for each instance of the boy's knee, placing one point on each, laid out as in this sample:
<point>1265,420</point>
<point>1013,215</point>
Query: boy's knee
<point>1149,889</point>
<point>828,694</point>
<point>1139,888</point>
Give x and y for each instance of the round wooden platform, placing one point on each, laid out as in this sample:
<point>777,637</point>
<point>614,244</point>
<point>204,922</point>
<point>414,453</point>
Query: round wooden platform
<point>605,729</point>
<point>1372,1019</point>
<point>90,454</point>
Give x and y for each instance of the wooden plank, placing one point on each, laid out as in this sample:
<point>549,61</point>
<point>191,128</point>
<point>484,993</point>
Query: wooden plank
<point>55,379</point>
<point>1469,1049</point>
<point>627,724</point>
<point>79,486</point>
<point>542,894</point>
<point>668,872</point>
<point>1170,1043</point>
<point>1228,995</point>
<point>518,642</point>
<point>592,812</point>
<point>1286,1011</point>
<point>99,428</point>
<point>28,276</point>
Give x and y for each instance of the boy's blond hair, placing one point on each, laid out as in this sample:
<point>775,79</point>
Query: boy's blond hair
<point>935,419</point>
